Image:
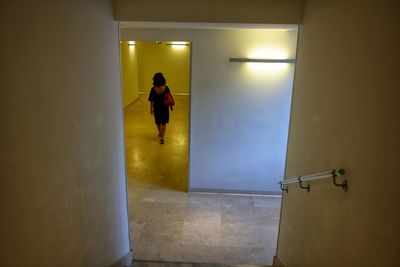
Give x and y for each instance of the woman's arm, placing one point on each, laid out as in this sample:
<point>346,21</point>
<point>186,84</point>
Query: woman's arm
<point>151,107</point>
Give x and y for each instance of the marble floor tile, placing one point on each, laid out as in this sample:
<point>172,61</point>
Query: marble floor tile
<point>268,235</point>
<point>267,201</point>
<point>148,251</point>
<point>203,214</point>
<point>201,234</point>
<point>237,214</point>
<point>139,211</point>
<point>205,200</point>
<point>241,235</point>
<point>247,255</point>
<point>163,213</point>
<point>136,232</point>
<point>163,195</point>
<point>162,233</point>
<point>202,254</point>
<point>266,216</point>
<point>237,201</point>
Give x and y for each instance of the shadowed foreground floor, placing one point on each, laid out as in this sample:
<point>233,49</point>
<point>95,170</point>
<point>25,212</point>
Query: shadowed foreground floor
<point>175,264</point>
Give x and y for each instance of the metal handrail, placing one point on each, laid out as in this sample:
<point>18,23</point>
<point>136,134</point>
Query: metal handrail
<point>323,175</point>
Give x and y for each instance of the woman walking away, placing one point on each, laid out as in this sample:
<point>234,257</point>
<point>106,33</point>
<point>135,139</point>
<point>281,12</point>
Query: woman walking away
<point>157,105</point>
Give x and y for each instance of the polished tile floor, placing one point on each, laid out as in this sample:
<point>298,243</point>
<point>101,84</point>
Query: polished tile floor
<point>168,224</point>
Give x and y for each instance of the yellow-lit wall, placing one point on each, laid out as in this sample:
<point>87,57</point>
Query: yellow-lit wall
<point>172,62</point>
<point>129,66</point>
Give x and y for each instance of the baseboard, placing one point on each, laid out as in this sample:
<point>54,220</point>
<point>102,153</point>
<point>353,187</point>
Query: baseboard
<point>238,192</point>
<point>277,263</point>
<point>130,105</point>
<point>124,261</point>
<point>173,93</point>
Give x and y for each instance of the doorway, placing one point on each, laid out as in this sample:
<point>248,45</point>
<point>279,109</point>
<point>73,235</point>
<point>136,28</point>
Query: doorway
<point>226,157</point>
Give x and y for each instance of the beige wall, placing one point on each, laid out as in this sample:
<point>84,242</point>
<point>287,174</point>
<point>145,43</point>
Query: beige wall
<point>130,73</point>
<point>62,188</point>
<point>345,114</point>
<point>236,11</point>
<point>173,63</point>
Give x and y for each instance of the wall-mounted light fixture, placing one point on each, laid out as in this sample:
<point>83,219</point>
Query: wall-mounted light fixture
<point>262,60</point>
<point>178,44</point>
<point>129,43</point>
<point>273,66</point>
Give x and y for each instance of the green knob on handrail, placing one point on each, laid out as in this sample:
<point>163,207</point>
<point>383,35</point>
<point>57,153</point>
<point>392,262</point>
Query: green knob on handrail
<point>341,171</point>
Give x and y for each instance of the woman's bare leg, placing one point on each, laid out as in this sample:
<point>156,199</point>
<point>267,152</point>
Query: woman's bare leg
<point>159,127</point>
<point>163,129</point>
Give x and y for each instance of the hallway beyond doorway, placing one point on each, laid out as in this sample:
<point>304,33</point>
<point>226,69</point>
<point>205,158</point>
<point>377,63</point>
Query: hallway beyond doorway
<point>147,161</point>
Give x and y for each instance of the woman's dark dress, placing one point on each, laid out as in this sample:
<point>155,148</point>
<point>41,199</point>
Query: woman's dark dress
<point>161,111</point>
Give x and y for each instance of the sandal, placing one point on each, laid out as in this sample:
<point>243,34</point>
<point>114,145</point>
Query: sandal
<point>161,141</point>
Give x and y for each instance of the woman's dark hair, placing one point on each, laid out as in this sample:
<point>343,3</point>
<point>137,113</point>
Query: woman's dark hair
<point>158,79</point>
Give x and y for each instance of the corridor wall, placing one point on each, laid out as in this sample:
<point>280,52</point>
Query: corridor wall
<point>345,114</point>
<point>62,185</point>
<point>172,61</point>
<point>130,73</point>
<point>239,114</point>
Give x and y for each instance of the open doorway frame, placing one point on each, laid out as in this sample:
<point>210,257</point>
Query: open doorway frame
<point>191,79</point>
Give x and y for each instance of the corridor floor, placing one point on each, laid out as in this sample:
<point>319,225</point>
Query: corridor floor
<point>168,224</point>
